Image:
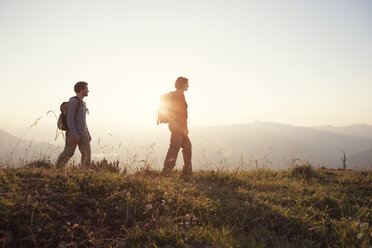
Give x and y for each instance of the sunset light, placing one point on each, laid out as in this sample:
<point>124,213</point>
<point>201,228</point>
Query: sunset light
<point>185,123</point>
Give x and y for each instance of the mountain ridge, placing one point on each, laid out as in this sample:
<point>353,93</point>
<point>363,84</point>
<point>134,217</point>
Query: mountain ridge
<point>273,143</point>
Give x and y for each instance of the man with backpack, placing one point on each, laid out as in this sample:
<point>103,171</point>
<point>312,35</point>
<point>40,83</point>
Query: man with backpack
<point>77,133</point>
<point>179,130</point>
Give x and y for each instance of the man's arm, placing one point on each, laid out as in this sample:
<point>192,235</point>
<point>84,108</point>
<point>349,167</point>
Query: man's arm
<point>71,111</point>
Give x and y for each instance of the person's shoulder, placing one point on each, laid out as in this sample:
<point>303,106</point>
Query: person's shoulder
<point>177,93</point>
<point>74,99</point>
<point>171,94</point>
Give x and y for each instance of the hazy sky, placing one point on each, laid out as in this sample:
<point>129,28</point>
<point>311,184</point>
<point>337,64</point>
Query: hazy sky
<point>296,62</point>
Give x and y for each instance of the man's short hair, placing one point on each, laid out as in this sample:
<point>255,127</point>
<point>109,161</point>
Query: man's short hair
<point>79,86</point>
<point>180,82</point>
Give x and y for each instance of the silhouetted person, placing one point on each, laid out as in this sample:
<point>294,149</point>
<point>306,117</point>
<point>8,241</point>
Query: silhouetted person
<point>179,131</point>
<point>77,133</point>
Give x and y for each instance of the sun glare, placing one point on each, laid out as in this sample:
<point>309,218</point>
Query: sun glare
<point>145,111</point>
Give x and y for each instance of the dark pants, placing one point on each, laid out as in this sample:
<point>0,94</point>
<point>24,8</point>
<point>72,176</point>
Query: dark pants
<point>176,142</point>
<point>70,147</point>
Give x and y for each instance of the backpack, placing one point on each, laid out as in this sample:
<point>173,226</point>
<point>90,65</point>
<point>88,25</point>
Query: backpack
<point>62,119</point>
<point>165,112</point>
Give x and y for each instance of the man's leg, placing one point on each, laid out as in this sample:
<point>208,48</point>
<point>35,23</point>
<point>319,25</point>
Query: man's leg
<point>84,147</point>
<point>186,150</point>
<point>174,148</point>
<point>67,153</point>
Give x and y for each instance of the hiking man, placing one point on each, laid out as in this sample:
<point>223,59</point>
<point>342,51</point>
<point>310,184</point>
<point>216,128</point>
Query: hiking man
<point>77,133</point>
<point>179,131</point>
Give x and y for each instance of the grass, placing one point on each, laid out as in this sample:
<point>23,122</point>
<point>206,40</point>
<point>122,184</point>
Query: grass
<point>301,207</point>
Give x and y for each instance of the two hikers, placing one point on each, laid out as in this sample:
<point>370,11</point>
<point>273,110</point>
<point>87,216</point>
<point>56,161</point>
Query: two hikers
<point>77,133</point>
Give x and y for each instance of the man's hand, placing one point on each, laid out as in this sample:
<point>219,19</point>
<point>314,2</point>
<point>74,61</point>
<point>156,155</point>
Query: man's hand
<point>76,139</point>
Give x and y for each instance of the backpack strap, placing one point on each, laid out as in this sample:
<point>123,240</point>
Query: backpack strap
<point>79,101</point>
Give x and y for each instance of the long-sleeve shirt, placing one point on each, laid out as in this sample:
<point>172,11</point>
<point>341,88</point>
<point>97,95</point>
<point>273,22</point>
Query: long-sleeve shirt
<point>76,118</point>
<point>180,108</point>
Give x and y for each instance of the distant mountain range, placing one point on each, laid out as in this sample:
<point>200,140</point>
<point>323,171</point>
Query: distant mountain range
<point>281,145</point>
<point>358,130</point>
<point>15,151</point>
<point>267,144</point>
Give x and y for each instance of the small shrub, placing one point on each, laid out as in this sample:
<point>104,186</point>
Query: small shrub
<point>40,163</point>
<point>303,171</point>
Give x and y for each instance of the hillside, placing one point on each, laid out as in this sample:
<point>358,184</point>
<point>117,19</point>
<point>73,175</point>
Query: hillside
<point>361,159</point>
<point>301,207</point>
<point>359,130</point>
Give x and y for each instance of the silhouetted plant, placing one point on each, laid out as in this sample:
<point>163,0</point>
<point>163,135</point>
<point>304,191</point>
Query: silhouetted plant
<point>104,165</point>
<point>304,171</point>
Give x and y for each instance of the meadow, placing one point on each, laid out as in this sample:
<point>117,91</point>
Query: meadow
<point>108,207</point>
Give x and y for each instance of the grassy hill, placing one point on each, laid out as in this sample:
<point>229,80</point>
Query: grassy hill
<point>302,207</point>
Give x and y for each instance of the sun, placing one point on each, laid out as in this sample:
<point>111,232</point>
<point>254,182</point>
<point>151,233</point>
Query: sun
<point>144,107</point>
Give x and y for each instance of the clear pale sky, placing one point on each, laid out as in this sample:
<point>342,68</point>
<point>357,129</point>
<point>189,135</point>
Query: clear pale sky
<point>296,62</point>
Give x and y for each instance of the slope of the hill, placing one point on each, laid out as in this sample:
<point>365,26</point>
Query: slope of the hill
<point>302,207</point>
